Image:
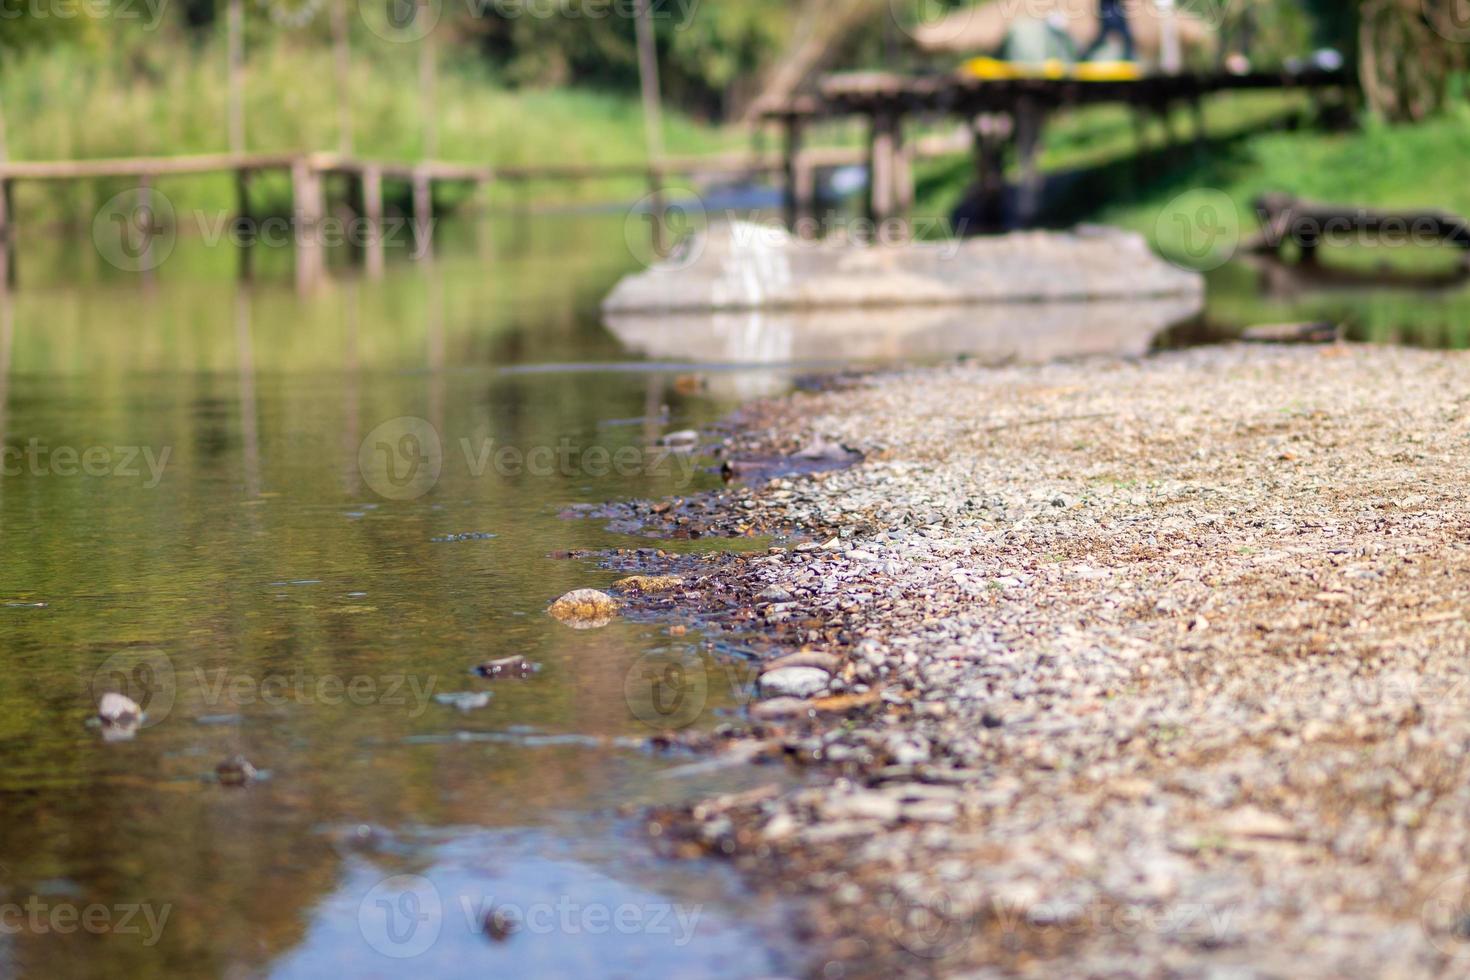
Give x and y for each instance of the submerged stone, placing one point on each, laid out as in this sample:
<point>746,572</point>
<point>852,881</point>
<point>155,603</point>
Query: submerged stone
<point>649,583</point>
<point>236,771</point>
<point>513,666</point>
<point>585,609</point>
<point>464,700</point>
<point>118,710</point>
<point>797,682</point>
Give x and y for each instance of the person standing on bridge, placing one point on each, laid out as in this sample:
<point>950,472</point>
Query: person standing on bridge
<point>1113,21</point>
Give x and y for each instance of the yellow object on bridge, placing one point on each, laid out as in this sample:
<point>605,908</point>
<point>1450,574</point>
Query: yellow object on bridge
<point>994,69</point>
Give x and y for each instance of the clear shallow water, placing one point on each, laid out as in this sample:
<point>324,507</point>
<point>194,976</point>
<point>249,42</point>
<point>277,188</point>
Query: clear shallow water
<point>1418,308</point>
<point>287,524</point>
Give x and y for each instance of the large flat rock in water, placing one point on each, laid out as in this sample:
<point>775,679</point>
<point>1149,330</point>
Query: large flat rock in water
<point>995,333</point>
<point>741,266</point>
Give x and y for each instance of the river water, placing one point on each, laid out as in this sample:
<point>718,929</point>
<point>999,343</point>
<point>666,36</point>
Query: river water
<point>286,524</point>
<point>290,524</point>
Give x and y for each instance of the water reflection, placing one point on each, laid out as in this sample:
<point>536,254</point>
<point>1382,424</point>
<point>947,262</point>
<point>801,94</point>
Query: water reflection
<point>1428,310</point>
<point>278,605</point>
<point>521,904</point>
<point>267,600</point>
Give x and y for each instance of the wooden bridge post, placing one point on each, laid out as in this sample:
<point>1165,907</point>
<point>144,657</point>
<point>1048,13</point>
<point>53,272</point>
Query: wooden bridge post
<point>145,209</point>
<point>243,219</point>
<point>371,209</point>
<point>804,176</point>
<point>798,190</point>
<point>1197,114</point>
<point>883,145</point>
<point>423,214</point>
<point>903,179</point>
<point>7,202</point>
<point>1146,155</point>
<point>1165,112</point>
<point>658,212</point>
<point>991,131</point>
<point>309,206</point>
<point>1030,119</point>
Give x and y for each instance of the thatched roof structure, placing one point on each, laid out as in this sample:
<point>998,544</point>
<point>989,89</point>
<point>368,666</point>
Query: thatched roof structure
<point>982,29</point>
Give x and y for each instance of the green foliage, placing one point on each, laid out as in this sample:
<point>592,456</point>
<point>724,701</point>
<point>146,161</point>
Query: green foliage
<point>142,97</point>
<point>704,46</point>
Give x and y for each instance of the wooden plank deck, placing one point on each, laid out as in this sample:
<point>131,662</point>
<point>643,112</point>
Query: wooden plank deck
<point>1022,106</point>
<point>308,171</point>
<point>865,93</point>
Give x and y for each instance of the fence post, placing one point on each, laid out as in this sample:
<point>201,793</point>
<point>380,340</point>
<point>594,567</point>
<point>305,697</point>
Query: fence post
<point>371,209</point>
<point>423,214</point>
<point>306,193</point>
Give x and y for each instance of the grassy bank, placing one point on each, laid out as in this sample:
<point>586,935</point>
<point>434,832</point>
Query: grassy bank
<point>1406,167</point>
<point>159,96</point>
<point>1256,147</point>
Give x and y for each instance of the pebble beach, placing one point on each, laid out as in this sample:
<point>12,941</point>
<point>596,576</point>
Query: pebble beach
<point>1153,667</point>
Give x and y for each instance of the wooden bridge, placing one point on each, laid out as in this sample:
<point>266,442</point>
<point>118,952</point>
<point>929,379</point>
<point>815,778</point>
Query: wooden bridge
<point>308,173</point>
<point>999,115</point>
<point>1003,114</point>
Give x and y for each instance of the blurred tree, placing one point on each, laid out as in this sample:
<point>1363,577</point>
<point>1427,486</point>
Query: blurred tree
<point>1408,52</point>
<point>20,27</point>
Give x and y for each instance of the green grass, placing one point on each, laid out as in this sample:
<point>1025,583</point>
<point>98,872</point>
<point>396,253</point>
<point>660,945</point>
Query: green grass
<point>1378,166</point>
<point>1104,138</point>
<point>156,95</point>
<point>1197,207</point>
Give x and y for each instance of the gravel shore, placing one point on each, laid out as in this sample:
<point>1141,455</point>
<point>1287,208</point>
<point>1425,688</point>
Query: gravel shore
<point>1150,668</point>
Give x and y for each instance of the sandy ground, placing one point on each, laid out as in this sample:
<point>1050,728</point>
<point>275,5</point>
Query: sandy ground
<point>1111,669</point>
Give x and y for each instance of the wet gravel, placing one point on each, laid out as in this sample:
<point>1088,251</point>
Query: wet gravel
<point>1150,668</point>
